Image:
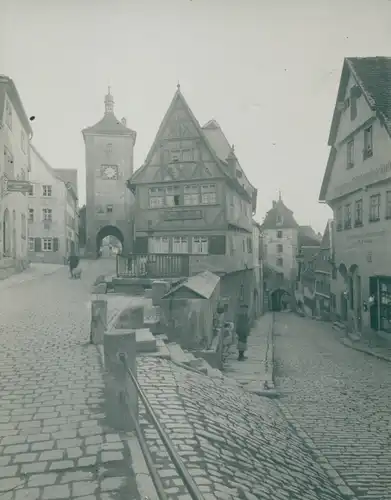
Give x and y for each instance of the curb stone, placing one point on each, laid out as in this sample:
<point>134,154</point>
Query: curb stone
<point>143,479</point>
<point>348,343</point>
<point>320,459</point>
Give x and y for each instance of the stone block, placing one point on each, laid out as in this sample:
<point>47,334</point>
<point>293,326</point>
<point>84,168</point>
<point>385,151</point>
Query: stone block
<point>120,392</point>
<point>100,288</point>
<point>98,320</point>
<point>146,342</point>
<point>131,318</point>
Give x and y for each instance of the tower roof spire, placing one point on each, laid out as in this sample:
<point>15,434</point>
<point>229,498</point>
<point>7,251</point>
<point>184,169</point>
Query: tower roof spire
<point>109,102</point>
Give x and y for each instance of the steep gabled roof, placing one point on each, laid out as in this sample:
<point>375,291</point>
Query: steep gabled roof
<point>308,237</point>
<point>178,96</point>
<point>279,209</point>
<point>68,176</point>
<point>373,78</point>
<point>217,139</point>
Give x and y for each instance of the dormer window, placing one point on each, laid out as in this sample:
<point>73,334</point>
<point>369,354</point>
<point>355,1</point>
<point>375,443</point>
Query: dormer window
<point>280,220</point>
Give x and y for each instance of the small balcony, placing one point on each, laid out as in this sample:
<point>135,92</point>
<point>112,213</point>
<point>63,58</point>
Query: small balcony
<point>153,265</point>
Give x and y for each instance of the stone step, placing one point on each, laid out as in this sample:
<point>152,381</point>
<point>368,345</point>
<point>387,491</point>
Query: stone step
<point>337,325</point>
<point>146,342</point>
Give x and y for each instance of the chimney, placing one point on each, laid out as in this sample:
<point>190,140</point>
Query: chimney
<point>123,121</point>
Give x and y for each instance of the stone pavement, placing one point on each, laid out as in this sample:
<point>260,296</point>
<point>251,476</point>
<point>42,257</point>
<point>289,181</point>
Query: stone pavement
<point>34,271</point>
<point>257,369</point>
<point>339,401</point>
<point>377,347</point>
<point>54,443</point>
<point>234,444</point>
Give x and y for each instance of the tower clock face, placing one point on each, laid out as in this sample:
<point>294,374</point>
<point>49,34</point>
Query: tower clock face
<point>110,172</point>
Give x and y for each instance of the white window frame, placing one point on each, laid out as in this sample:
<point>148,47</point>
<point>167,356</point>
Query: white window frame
<point>191,195</point>
<point>31,244</point>
<point>47,190</point>
<point>156,197</point>
<point>368,142</point>
<point>200,245</point>
<point>280,262</point>
<point>208,194</point>
<point>350,153</point>
<point>180,244</point>
<point>47,214</point>
<point>47,244</point>
<point>159,244</point>
<point>171,193</point>
<point>374,208</point>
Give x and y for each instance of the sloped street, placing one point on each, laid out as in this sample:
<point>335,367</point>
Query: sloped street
<point>54,442</point>
<point>341,399</point>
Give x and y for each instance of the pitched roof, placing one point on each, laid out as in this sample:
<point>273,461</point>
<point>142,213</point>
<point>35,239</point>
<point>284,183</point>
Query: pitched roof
<point>213,137</point>
<point>109,124</point>
<point>202,284</point>
<point>68,176</point>
<point>307,237</point>
<point>279,209</point>
<point>217,139</point>
<point>7,86</point>
<point>373,78</point>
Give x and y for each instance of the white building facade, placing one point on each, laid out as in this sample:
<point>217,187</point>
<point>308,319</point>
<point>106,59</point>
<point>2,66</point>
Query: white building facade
<point>15,136</point>
<point>52,213</point>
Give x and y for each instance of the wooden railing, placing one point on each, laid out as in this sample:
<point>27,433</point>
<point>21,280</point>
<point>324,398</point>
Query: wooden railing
<point>153,265</point>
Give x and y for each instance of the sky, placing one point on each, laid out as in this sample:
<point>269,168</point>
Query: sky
<point>266,70</point>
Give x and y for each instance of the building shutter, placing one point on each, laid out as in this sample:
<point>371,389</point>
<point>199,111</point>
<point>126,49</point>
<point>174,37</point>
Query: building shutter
<point>141,244</point>
<point>55,244</point>
<point>37,244</point>
<point>217,245</point>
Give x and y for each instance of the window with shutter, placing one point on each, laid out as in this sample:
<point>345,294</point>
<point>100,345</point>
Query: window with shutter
<point>55,245</point>
<point>217,245</point>
<point>37,244</point>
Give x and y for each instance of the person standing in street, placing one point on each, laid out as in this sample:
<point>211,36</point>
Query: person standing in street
<point>73,262</point>
<point>242,330</point>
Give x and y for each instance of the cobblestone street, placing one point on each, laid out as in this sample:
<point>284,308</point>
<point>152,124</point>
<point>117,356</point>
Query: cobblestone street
<point>53,443</point>
<point>341,399</point>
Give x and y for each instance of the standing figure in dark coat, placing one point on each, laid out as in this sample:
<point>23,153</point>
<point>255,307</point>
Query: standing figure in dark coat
<point>242,330</point>
<point>73,262</point>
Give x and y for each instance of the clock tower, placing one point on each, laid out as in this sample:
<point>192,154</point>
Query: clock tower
<point>109,146</point>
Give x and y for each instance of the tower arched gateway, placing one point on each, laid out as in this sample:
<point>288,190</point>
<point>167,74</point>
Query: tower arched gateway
<point>109,164</point>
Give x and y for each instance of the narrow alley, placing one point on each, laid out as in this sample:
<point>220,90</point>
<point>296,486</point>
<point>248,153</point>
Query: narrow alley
<point>341,399</point>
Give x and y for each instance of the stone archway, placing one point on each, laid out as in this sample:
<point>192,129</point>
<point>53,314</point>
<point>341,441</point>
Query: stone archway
<point>108,231</point>
<point>278,297</point>
<point>6,234</point>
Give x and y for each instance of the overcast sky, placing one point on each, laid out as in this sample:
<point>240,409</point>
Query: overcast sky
<point>267,71</point>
